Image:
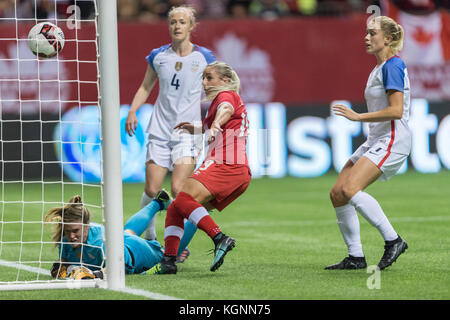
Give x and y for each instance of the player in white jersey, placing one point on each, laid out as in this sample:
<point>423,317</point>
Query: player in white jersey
<point>179,68</point>
<point>386,149</point>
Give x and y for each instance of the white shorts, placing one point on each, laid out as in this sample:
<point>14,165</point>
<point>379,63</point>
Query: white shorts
<point>166,153</point>
<point>388,162</point>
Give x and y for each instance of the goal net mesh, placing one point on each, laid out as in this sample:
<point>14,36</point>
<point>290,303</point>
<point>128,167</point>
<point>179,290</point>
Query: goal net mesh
<point>50,134</point>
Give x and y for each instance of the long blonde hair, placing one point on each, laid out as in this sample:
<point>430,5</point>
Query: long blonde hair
<point>73,211</point>
<point>224,71</point>
<point>393,29</point>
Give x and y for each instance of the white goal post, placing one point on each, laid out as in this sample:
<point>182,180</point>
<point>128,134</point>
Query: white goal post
<point>110,105</point>
<point>44,150</point>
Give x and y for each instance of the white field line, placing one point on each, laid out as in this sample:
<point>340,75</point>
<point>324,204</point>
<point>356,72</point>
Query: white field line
<point>137,292</point>
<point>147,294</point>
<point>24,267</point>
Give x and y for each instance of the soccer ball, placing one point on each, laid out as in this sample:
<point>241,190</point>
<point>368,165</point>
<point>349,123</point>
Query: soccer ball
<point>45,39</point>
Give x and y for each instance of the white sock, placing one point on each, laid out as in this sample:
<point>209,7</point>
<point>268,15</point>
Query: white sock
<point>150,232</point>
<point>347,220</point>
<point>371,210</point>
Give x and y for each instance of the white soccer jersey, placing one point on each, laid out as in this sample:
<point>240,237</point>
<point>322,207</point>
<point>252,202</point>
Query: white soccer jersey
<point>395,134</point>
<point>180,87</point>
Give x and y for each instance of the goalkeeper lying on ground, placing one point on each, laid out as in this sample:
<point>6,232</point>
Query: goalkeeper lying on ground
<point>81,242</point>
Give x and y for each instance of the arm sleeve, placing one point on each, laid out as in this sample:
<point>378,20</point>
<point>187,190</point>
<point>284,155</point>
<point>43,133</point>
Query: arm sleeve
<point>150,58</point>
<point>209,56</point>
<point>225,98</point>
<point>394,76</point>
<point>154,53</point>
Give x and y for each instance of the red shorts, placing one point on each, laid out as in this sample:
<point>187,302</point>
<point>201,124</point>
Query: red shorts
<point>226,182</point>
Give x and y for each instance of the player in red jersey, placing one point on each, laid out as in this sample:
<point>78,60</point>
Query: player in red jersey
<point>223,176</point>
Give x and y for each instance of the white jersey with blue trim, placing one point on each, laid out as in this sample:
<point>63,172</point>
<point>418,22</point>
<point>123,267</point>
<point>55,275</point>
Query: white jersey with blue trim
<point>390,75</point>
<point>180,88</point>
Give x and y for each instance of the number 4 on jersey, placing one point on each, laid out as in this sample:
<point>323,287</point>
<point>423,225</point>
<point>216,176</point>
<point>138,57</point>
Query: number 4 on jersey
<point>175,82</point>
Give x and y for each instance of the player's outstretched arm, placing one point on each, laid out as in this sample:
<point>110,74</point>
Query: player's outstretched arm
<point>392,112</point>
<point>189,127</point>
<point>139,99</point>
<point>223,114</point>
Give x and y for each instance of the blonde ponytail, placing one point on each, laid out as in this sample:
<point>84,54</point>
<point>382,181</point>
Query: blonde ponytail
<point>393,29</point>
<point>73,211</point>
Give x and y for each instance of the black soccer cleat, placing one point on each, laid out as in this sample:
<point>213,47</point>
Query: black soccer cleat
<point>164,199</point>
<point>166,266</point>
<point>223,245</point>
<point>349,263</point>
<point>392,251</point>
<point>183,256</point>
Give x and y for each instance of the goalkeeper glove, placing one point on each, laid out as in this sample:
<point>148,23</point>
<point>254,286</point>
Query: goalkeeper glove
<point>59,270</point>
<point>79,273</point>
<point>65,271</point>
<point>98,274</point>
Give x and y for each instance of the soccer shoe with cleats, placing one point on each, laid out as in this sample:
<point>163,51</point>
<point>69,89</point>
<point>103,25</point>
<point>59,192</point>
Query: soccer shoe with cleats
<point>183,256</point>
<point>224,244</point>
<point>166,266</point>
<point>349,263</point>
<point>392,251</point>
<point>164,199</point>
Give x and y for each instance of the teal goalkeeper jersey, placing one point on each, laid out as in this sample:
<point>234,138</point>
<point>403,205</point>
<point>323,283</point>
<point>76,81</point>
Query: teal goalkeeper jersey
<point>91,254</point>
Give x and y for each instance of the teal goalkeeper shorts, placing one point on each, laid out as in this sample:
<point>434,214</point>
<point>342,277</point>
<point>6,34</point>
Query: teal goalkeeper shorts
<point>140,254</point>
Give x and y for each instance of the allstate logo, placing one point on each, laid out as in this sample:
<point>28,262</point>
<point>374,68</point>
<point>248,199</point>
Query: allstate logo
<point>79,144</point>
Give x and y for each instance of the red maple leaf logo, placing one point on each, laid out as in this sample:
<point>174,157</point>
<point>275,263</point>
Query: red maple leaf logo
<point>422,36</point>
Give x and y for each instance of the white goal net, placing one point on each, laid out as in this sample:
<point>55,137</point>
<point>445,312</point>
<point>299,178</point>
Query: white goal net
<point>51,145</point>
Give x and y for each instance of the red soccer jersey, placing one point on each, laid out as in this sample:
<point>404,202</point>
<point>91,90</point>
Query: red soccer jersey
<point>230,146</point>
